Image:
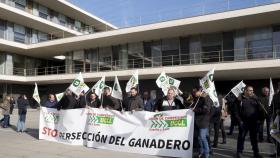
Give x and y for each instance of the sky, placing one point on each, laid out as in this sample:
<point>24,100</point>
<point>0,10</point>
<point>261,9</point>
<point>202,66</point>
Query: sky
<point>126,13</point>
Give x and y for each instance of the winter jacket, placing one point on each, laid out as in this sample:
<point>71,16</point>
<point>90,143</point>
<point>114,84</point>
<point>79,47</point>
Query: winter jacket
<point>110,102</point>
<point>67,102</point>
<point>94,104</point>
<point>164,105</point>
<point>202,112</point>
<point>250,110</point>
<point>134,103</point>
<point>148,105</point>
<point>5,106</point>
<point>50,104</point>
<point>22,106</point>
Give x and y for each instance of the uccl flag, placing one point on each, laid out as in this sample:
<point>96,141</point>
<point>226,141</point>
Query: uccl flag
<point>238,89</point>
<point>133,81</point>
<point>36,94</point>
<point>99,86</point>
<point>165,82</point>
<point>78,86</point>
<point>271,92</point>
<point>207,83</point>
<point>117,91</point>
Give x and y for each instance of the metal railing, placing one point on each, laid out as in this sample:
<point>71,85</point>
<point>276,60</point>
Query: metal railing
<point>207,7</point>
<point>223,56</point>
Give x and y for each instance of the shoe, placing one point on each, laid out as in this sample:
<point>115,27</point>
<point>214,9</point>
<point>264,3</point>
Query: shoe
<point>238,155</point>
<point>258,156</point>
<point>200,156</point>
<point>211,151</point>
<point>214,146</point>
<point>274,155</point>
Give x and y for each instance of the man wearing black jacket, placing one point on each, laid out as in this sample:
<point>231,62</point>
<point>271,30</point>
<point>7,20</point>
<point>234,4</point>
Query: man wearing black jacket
<point>249,113</point>
<point>108,102</point>
<point>168,102</point>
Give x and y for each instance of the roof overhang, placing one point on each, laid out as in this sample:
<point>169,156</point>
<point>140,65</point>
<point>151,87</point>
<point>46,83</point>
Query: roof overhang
<point>226,21</point>
<point>244,70</point>
<point>26,19</point>
<point>75,12</point>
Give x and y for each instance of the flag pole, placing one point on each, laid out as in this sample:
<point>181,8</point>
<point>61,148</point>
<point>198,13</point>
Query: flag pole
<point>121,105</point>
<point>227,94</point>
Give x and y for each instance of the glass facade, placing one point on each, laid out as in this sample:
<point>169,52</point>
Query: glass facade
<point>49,14</point>
<point>18,33</point>
<point>231,46</point>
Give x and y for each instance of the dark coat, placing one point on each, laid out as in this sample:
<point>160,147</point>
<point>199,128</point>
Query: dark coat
<point>148,105</point>
<point>163,105</point>
<point>250,110</point>
<point>67,102</point>
<point>50,104</point>
<point>134,103</point>
<point>94,104</point>
<point>110,102</point>
<point>202,112</point>
<point>22,106</point>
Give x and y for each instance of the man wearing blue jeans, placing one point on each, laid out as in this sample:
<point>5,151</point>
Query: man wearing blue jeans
<point>202,120</point>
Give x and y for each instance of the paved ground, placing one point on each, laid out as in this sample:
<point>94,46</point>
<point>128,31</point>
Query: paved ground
<point>27,145</point>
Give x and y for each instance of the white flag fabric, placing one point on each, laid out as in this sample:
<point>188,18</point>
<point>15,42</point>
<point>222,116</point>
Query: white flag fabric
<point>271,92</point>
<point>207,83</point>
<point>162,80</point>
<point>165,82</point>
<point>59,96</point>
<point>99,86</point>
<point>238,89</point>
<point>166,133</point>
<point>36,94</point>
<point>133,82</point>
<point>78,86</point>
<point>117,91</point>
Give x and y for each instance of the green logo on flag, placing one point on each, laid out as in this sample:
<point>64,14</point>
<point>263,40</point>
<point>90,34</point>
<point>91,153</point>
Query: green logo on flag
<point>211,77</point>
<point>76,83</point>
<point>101,85</point>
<point>116,87</point>
<point>171,81</point>
<point>162,78</point>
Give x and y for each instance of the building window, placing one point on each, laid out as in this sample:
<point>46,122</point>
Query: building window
<point>62,19</point>
<point>43,12</point>
<point>211,45</point>
<point>42,36</point>
<point>19,33</point>
<point>170,51</point>
<point>259,43</point>
<point>20,4</point>
<point>276,41</point>
<point>2,28</point>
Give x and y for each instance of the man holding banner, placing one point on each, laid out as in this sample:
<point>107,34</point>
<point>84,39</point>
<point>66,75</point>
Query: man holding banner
<point>109,102</point>
<point>134,101</point>
<point>169,102</point>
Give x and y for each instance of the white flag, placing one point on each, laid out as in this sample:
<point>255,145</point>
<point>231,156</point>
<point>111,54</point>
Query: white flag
<point>207,83</point>
<point>117,91</point>
<point>59,96</point>
<point>78,86</point>
<point>133,82</point>
<point>36,94</point>
<point>165,82</point>
<point>271,92</point>
<point>238,89</point>
<point>162,80</point>
<point>99,86</point>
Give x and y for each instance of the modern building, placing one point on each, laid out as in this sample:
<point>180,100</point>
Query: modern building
<point>49,42</point>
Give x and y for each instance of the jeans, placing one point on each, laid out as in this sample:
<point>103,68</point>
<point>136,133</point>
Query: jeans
<point>203,142</point>
<point>5,122</point>
<point>252,127</point>
<point>21,123</point>
<point>261,128</point>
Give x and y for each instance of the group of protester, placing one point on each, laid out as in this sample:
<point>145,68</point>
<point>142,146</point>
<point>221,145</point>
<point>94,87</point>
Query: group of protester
<point>247,111</point>
<point>7,107</point>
